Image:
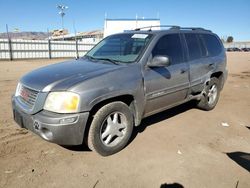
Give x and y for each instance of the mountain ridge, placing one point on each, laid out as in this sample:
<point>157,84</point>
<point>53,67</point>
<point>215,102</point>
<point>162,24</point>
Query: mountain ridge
<point>28,35</point>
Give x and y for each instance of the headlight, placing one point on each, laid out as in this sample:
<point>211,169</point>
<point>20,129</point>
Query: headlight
<point>62,102</point>
<point>17,93</point>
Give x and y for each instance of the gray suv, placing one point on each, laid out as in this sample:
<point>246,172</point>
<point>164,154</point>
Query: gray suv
<point>100,97</point>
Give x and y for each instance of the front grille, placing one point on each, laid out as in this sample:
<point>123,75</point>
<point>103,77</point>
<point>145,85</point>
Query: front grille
<point>27,96</point>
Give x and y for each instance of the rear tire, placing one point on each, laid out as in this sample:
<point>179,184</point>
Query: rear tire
<point>111,129</point>
<point>211,95</point>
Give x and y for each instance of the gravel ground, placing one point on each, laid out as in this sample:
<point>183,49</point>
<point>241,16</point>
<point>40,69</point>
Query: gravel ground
<point>181,147</point>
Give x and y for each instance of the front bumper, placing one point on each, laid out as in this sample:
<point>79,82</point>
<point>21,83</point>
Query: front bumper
<point>62,129</point>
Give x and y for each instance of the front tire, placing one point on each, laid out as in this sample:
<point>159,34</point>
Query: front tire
<point>211,95</point>
<point>111,129</point>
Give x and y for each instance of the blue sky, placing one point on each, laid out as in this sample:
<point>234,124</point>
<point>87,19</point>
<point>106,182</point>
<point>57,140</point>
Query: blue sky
<point>224,17</point>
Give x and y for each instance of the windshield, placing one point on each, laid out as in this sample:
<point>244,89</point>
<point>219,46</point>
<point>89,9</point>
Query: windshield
<point>125,48</point>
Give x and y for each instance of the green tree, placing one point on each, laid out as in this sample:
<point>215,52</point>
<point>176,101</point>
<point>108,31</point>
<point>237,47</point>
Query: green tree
<point>230,39</point>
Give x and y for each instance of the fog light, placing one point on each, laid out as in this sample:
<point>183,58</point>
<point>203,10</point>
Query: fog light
<point>46,134</point>
<point>68,120</point>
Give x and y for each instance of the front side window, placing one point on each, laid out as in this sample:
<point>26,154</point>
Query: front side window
<point>169,45</point>
<point>124,48</point>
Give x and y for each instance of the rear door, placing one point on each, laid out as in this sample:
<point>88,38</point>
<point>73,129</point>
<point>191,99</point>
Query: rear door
<point>166,86</point>
<point>198,61</point>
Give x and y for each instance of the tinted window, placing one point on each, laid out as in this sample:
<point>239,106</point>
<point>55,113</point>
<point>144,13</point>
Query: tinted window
<point>203,48</point>
<point>212,43</point>
<point>169,45</point>
<point>193,46</point>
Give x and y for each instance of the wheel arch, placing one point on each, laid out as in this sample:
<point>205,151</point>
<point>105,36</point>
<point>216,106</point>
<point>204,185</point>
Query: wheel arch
<point>220,76</point>
<point>126,98</point>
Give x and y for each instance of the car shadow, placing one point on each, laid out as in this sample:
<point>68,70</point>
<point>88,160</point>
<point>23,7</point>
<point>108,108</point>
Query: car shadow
<point>172,185</point>
<point>79,148</point>
<point>241,158</point>
<point>151,120</point>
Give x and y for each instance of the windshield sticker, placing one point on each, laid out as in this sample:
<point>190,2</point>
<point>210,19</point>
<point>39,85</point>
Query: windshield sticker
<point>139,36</point>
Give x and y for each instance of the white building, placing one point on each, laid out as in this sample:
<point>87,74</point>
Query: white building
<point>112,26</point>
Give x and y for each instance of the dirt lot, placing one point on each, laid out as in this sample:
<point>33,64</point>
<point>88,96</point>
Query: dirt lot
<point>184,145</point>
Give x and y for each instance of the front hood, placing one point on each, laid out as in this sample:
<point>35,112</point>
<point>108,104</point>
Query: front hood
<point>63,75</point>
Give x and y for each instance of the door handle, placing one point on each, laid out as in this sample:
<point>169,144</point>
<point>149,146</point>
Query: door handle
<point>211,65</point>
<point>183,71</point>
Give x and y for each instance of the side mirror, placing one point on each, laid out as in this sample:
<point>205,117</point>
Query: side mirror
<point>159,61</point>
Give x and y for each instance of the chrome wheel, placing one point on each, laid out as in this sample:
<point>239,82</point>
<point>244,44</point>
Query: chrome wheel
<point>113,129</point>
<point>212,94</point>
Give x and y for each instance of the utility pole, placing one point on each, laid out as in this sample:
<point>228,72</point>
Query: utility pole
<point>76,41</point>
<point>49,44</point>
<point>9,42</point>
<point>7,31</point>
<point>62,13</point>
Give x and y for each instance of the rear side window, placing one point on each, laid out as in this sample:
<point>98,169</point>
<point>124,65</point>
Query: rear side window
<point>203,47</point>
<point>170,45</point>
<point>193,46</point>
<point>212,43</point>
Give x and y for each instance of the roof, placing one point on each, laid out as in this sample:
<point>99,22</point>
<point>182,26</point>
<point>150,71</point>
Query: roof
<point>171,27</point>
<point>88,33</point>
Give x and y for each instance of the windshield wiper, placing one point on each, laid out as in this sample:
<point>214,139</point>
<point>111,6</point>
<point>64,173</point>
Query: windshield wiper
<point>109,60</point>
<point>90,57</point>
<point>104,59</point>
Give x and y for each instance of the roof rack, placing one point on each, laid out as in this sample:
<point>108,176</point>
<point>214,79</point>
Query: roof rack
<point>172,27</point>
<point>195,28</point>
<point>150,27</point>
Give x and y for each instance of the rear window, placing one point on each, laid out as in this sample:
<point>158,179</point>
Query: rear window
<point>213,45</point>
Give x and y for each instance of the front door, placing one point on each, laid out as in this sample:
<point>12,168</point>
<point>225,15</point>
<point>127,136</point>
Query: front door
<point>166,86</point>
